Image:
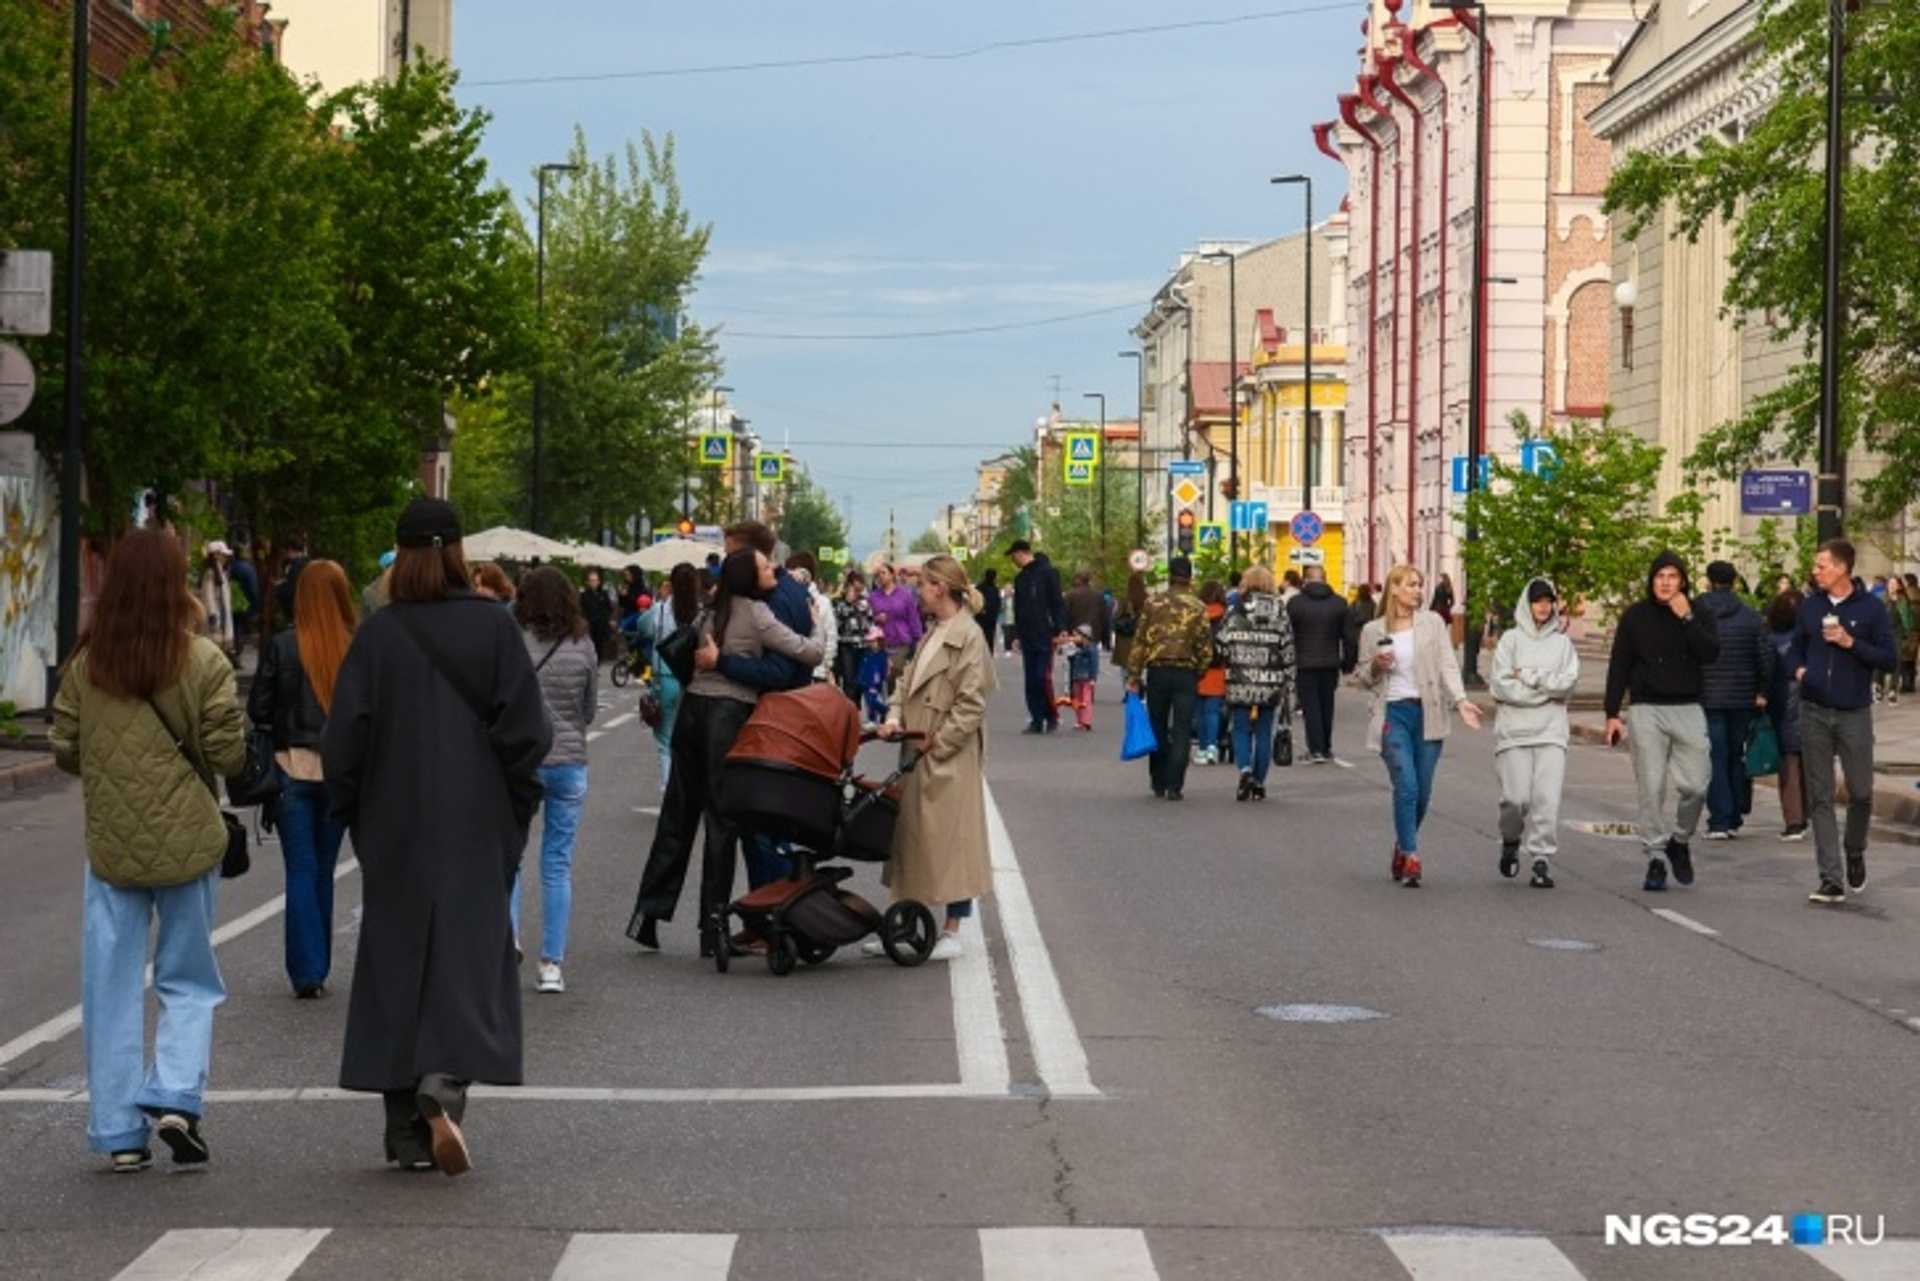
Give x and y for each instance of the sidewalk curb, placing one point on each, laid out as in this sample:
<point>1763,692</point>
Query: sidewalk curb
<point>33,769</point>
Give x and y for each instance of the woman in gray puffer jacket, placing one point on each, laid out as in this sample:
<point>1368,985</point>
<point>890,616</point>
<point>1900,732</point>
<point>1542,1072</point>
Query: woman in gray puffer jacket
<point>1534,671</point>
<point>567,666</point>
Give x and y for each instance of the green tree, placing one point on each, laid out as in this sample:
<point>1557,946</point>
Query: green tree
<point>809,520</point>
<point>1768,187</point>
<point>928,542</point>
<point>1588,521</point>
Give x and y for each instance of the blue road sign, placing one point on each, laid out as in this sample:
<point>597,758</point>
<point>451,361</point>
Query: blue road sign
<point>1083,447</point>
<point>1186,467</point>
<point>1212,533</point>
<point>1079,473</point>
<point>1256,517</point>
<point>716,449</point>
<point>1460,472</point>
<point>1537,458</point>
<point>1776,493</point>
<point>1306,528</point>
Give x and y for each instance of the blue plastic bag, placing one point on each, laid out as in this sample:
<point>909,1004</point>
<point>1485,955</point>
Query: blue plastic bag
<point>1138,740</point>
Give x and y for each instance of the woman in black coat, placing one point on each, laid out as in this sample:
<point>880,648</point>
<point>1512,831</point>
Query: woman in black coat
<point>430,752</point>
<point>597,607</point>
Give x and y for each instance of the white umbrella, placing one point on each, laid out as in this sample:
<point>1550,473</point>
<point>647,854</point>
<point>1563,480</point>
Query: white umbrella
<point>668,552</point>
<point>597,556</point>
<point>503,542</point>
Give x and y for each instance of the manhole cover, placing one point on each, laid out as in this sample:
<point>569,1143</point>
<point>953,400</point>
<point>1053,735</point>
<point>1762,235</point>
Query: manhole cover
<point>1309,1013</point>
<point>1563,945</point>
<point>1619,831</point>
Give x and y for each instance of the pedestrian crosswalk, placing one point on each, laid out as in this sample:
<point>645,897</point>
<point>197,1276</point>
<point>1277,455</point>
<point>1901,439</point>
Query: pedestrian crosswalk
<point>1047,1254</point>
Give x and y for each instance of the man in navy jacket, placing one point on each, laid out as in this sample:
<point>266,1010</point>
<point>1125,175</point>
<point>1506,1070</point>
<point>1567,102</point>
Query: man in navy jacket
<point>1841,637</point>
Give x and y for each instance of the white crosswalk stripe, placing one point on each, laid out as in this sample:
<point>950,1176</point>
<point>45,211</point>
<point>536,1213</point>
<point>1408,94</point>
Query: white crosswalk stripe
<point>1065,1254</point>
<point>1476,1257</point>
<point>661,1256</point>
<point>1888,1261</point>
<point>225,1254</point>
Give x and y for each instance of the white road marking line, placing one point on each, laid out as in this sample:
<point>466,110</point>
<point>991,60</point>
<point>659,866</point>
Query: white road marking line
<point>1888,1261</point>
<point>594,733</point>
<point>1684,922</point>
<point>69,1021</point>
<point>1065,1254</point>
<point>978,1035</point>
<point>224,1254</point>
<point>622,719</point>
<point>1437,1257</point>
<point>659,1256</point>
<point>573,1094</point>
<point>1058,1055</point>
<point>647,809</point>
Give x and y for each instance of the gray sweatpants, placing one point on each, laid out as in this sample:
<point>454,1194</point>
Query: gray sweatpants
<point>1669,740</point>
<point>1824,733</point>
<point>1530,779</point>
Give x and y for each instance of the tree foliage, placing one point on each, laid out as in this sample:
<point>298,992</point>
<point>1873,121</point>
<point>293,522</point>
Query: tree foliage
<point>1588,521</point>
<point>809,520</point>
<point>1768,187</point>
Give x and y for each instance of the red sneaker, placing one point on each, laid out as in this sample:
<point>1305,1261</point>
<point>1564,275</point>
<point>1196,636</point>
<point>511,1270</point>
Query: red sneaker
<point>1399,864</point>
<point>1411,873</point>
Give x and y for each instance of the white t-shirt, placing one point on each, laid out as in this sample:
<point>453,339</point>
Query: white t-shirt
<point>1401,680</point>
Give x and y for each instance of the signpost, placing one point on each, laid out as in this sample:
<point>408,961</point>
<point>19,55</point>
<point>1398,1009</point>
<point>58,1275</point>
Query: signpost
<point>1537,458</point>
<point>1083,447</point>
<point>1771,493</point>
<point>716,449</point>
<point>1079,473</point>
<point>770,468</point>
<point>1139,560</point>
<point>1459,469</point>
<point>16,382</point>
<point>1212,535</point>
<point>1306,528</point>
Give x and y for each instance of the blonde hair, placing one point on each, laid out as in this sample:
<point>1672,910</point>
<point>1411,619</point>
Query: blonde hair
<point>1257,578</point>
<point>950,574</point>
<point>1390,607</point>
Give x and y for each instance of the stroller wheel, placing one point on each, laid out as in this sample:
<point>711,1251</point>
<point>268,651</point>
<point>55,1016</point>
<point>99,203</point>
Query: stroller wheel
<point>815,953</point>
<point>907,932</point>
<point>782,956</point>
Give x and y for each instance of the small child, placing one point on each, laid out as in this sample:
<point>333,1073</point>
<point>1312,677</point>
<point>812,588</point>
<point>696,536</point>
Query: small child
<point>1083,669</point>
<point>1534,671</point>
<point>872,676</point>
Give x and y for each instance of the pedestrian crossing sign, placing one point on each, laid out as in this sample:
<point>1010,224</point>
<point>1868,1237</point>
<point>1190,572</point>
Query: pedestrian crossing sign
<point>770,468</point>
<point>1079,473</point>
<point>1083,447</point>
<point>716,449</point>
<point>1212,533</point>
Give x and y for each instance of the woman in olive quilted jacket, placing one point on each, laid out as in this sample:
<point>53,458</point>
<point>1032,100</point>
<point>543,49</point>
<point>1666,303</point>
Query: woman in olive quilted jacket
<point>147,715</point>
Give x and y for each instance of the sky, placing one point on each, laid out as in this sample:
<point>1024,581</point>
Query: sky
<point>878,176</point>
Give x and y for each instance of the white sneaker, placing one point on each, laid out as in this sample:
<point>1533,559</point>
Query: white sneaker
<point>873,947</point>
<point>550,980</point>
<point>948,948</point>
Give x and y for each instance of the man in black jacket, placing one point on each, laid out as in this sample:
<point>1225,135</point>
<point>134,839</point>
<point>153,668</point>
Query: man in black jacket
<point>1734,687</point>
<point>1039,615</point>
<point>1324,637</point>
<point>1659,648</point>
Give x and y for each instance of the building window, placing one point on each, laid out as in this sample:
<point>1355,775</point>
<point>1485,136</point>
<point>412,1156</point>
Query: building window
<point>1626,338</point>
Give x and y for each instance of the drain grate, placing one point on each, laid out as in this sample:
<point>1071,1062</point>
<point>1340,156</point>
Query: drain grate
<point>1563,945</point>
<point>1316,1013</point>
<point>1618,831</point>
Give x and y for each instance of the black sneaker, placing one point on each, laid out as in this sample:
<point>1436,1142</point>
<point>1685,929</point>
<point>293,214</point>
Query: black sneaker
<point>1794,832</point>
<point>1828,893</point>
<point>1656,876</point>
<point>1682,859</point>
<point>1245,789</point>
<point>1857,871</point>
<point>1541,879</point>
<point>1510,859</point>
<point>181,1134</point>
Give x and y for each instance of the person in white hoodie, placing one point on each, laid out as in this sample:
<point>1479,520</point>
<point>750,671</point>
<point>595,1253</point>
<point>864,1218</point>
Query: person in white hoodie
<point>1534,672</point>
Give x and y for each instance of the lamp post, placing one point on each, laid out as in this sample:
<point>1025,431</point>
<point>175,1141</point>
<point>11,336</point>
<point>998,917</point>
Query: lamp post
<point>1099,476</point>
<point>1139,443</point>
<point>1306,415</point>
<point>713,414</point>
<point>1233,391</point>
<point>67,624</point>
<point>540,313</point>
<point>1828,498</point>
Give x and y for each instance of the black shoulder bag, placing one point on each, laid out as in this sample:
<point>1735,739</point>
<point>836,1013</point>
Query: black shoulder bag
<point>676,650</point>
<point>237,861</point>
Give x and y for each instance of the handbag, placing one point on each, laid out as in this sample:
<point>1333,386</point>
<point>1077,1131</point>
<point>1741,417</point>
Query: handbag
<point>1762,749</point>
<point>1283,743</point>
<point>1139,739</point>
<point>676,651</point>
<point>236,861</point>
<point>650,710</point>
<point>258,781</point>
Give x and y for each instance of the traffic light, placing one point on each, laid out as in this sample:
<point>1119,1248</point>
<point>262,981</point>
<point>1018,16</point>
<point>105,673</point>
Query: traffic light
<point>1183,524</point>
<point>685,527</point>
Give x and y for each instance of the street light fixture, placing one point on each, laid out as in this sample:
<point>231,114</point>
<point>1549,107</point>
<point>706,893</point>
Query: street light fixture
<point>1099,475</point>
<point>540,312</point>
<point>1233,389</point>
<point>1306,417</point>
<point>1140,444</point>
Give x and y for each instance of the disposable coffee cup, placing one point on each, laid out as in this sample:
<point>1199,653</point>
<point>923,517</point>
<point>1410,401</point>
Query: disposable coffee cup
<point>1831,620</point>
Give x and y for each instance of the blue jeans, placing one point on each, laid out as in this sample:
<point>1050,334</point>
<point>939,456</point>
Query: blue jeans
<point>1727,751</point>
<point>1036,658</point>
<point>668,692</point>
<point>566,792</point>
<point>122,1086</point>
<point>1253,741</point>
<point>310,847</point>
<point>1411,760</point>
<point>1206,730</point>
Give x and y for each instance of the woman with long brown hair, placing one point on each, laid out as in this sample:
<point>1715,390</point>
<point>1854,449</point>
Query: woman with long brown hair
<point>146,715</point>
<point>292,694</point>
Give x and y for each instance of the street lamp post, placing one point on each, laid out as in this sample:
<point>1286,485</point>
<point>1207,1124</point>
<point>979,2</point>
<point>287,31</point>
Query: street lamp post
<point>1139,444</point>
<point>540,313</point>
<point>713,415</point>
<point>67,623</point>
<point>1828,499</point>
<point>1233,391</point>
<point>1306,414</point>
<point>1099,475</point>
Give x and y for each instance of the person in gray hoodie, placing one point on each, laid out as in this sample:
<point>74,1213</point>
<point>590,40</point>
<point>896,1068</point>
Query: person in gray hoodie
<point>1534,671</point>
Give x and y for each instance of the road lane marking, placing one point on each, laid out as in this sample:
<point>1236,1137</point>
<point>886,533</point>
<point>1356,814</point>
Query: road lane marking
<point>1684,922</point>
<point>1477,1257</point>
<point>621,719</point>
<point>1888,1261</point>
<point>573,1094</point>
<point>658,1256</point>
<point>63,1024</point>
<point>257,1254</point>
<point>979,1038</point>
<point>1058,1055</point>
<point>1065,1254</point>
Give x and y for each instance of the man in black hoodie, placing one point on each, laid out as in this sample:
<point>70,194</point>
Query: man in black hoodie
<point>1039,616</point>
<point>1659,649</point>
<point>1734,689</point>
<point>1324,638</point>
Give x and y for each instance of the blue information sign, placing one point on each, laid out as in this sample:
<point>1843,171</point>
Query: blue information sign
<point>1186,467</point>
<point>1776,493</point>
<point>1460,472</point>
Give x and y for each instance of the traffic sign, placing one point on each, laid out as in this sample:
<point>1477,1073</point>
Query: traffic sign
<point>1139,560</point>
<point>1307,555</point>
<point>1249,516</point>
<point>1537,458</point>
<point>716,449</point>
<point>1306,528</point>
<point>1083,447</point>
<point>1186,467</point>
<point>16,382</point>
<point>770,468</point>
<point>1186,492</point>
<point>1777,493</point>
<point>1079,473</point>
<point>1460,472</point>
<point>1212,533</point>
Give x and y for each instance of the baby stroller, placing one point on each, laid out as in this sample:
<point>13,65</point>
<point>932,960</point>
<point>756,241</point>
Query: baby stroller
<point>790,774</point>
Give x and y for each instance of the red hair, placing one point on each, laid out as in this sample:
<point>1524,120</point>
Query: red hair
<point>323,622</point>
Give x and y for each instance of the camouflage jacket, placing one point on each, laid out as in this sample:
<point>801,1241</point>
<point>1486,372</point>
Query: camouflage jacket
<point>1174,631</point>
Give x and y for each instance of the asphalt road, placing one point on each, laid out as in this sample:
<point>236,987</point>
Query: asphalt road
<point>1103,1088</point>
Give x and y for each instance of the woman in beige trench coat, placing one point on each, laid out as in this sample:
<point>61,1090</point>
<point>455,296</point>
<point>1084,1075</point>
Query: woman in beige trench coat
<point>940,843</point>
